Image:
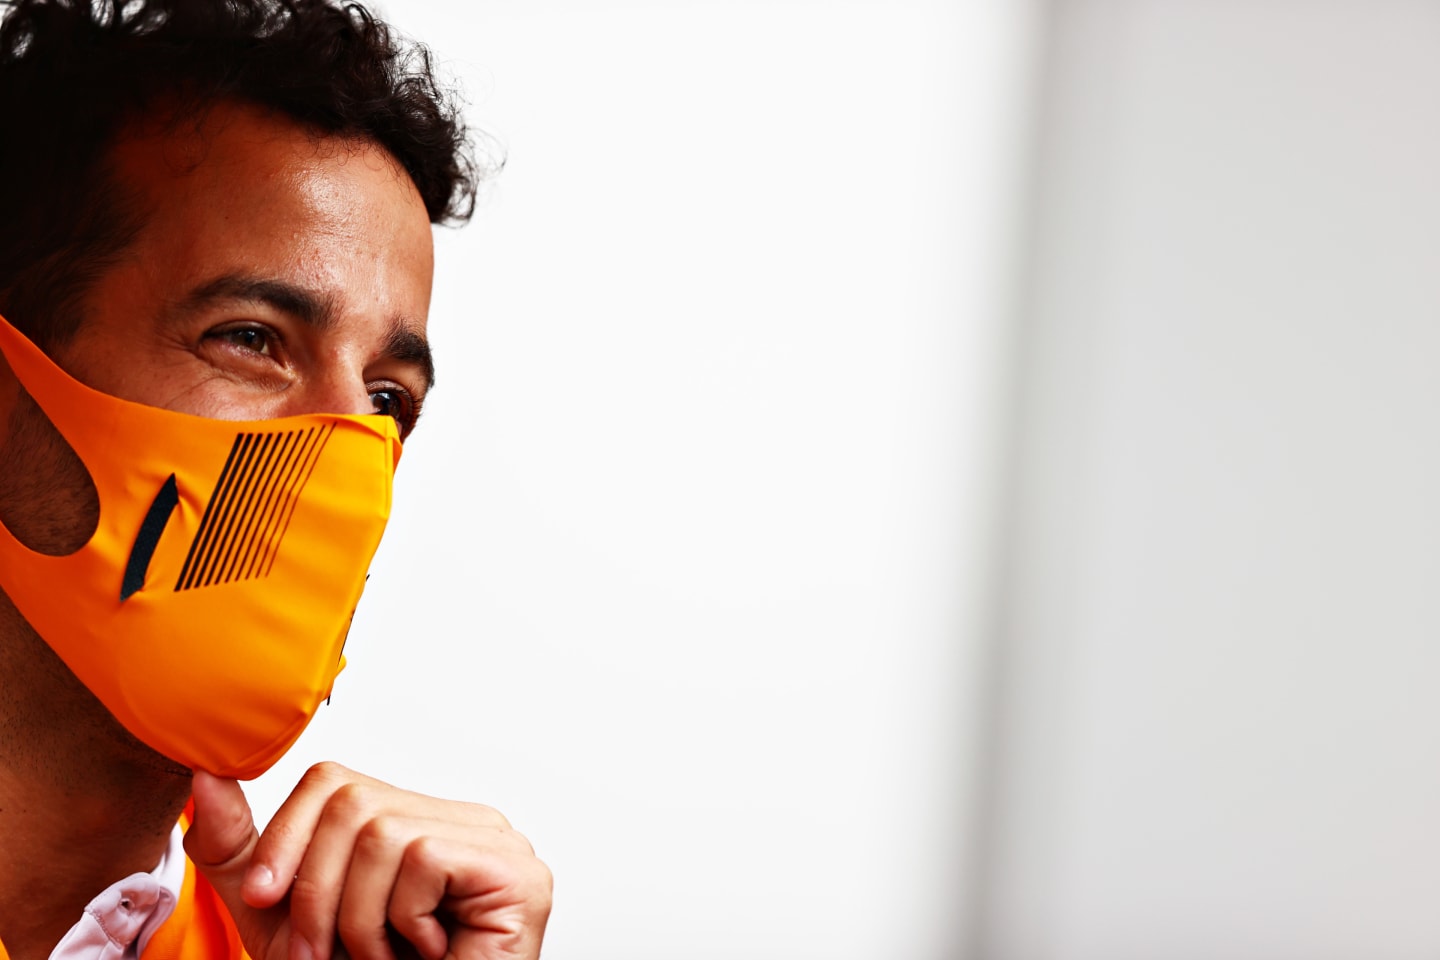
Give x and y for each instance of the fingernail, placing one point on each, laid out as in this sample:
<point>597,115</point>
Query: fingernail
<point>259,876</point>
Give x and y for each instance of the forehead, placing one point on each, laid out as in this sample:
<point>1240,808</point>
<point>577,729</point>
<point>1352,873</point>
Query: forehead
<point>240,189</point>
<point>219,138</point>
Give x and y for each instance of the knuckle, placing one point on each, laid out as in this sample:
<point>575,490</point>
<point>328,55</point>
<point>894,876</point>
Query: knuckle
<point>354,803</point>
<point>307,898</point>
<point>279,835</point>
<point>379,833</point>
<point>361,937</point>
<point>519,841</point>
<point>545,881</point>
<point>490,817</point>
<point>327,772</point>
<point>425,853</point>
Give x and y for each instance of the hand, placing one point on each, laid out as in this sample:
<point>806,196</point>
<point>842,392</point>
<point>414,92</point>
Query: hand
<point>378,867</point>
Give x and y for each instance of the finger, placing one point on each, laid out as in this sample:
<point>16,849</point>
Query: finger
<point>285,841</point>
<point>220,842</point>
<point>344,883</point>
<point>373,873</point>
<point>419,890</point>
<point>500,902</point>
<point>222,836</point>
<point>320,880</point>
<point>369,881</point>
<point>277,857</point>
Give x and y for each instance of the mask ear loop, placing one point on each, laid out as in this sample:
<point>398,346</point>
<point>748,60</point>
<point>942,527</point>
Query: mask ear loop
<point>86,418</point>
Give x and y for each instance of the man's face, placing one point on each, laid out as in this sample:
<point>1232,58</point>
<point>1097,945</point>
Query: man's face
<point>276,273</point>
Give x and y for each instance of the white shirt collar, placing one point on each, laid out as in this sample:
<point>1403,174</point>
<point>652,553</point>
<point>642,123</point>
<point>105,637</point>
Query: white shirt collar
<point>118,924</point>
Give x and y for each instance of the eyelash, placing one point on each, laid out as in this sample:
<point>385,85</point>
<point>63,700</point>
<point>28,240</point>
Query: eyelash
<point>409,411</point>
<point>405,418</point>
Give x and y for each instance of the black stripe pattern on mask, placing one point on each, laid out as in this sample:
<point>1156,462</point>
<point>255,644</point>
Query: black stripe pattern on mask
<point>250,508</point>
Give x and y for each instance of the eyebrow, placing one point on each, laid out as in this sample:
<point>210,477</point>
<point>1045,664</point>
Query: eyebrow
<point>314,310</point>
<point>407,346</point>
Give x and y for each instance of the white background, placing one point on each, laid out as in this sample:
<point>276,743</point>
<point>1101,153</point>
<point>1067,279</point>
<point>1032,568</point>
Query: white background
<point>1222,640</point>
<point>684,573</point>
<point>926,480</point>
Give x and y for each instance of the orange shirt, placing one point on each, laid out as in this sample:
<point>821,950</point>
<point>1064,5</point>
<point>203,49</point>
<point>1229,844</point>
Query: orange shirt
<point>199,929</point>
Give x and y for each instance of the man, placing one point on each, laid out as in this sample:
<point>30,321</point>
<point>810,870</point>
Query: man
<point>218,211</point>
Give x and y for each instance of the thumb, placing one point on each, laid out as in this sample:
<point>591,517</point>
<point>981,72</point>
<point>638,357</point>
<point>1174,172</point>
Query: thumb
<point>220,842</point>
<point>222,835</point>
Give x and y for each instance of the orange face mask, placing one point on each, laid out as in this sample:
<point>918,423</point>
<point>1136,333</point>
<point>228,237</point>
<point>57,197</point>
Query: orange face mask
<point>209,609</point>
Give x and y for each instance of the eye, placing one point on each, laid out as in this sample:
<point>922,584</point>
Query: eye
<point>249,337</point>
<point>397,403</point>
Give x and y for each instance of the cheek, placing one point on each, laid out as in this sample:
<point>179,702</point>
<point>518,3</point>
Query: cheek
<point>47,499</point>
<point>223,397</point>
<point>156,375</point>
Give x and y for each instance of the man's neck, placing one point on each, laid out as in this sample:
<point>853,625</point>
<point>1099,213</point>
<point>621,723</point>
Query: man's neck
<point>82,803</point>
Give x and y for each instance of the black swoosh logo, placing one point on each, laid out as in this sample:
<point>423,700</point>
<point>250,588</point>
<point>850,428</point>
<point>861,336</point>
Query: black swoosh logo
<point>149,538</point>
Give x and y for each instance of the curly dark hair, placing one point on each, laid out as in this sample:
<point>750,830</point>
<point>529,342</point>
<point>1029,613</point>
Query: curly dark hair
<point>73,73</point>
